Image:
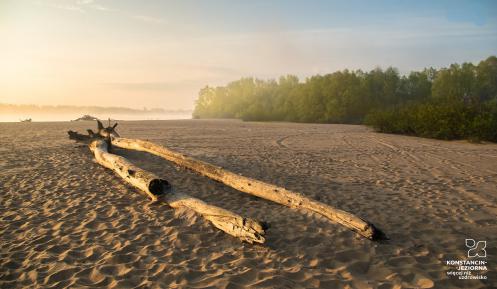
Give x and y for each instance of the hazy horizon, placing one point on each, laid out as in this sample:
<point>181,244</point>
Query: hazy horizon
<point>161,53</point>
<point>17,112</point>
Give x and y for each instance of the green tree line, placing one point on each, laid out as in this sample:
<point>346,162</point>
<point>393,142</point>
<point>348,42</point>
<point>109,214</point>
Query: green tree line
<point>459,101</point>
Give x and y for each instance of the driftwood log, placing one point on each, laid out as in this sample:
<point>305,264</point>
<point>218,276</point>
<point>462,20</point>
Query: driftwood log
<point>255,187</point>
<point>248,185</point>
<point>147,182</point>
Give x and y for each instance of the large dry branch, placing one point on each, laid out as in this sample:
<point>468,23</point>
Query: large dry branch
<point>159,189</point>
<point>255,187</point>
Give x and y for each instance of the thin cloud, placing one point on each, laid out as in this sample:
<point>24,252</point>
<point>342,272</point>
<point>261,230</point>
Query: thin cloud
<point>92,4</point>
<point>67,7</point>
<point>83,6</point>
<point>151,85</point>
<point>76,6</point>
<point>148,19</point>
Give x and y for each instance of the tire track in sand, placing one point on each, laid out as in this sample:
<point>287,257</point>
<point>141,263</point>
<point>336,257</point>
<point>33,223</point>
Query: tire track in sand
<point>487,205</point>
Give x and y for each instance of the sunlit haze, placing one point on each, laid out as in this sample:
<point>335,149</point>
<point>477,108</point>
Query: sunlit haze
<point>160,53</point>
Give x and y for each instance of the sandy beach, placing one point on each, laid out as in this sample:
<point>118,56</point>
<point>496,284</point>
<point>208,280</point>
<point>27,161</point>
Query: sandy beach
<point>67,222</point>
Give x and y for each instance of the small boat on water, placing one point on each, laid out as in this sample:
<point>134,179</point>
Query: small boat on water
<point>26,120</point>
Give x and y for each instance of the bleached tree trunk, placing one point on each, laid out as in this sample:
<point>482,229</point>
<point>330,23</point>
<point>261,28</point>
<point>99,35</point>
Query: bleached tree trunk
<point>255,187</point>
<point>158,189</point>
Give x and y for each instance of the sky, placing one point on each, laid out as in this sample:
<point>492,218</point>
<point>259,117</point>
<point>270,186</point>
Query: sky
<point>161,53</point>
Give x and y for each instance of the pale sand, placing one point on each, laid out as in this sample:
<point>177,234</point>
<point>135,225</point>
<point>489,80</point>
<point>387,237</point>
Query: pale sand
<point>68,222</point>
